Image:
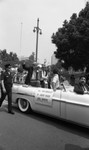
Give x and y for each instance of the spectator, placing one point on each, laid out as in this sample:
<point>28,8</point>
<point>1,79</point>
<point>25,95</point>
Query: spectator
<point>44,77</point>
<point>72,80</point>
<point>50,75</point>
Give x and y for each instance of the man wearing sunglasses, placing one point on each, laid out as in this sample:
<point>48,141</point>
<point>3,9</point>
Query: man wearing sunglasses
<point>81,87</point>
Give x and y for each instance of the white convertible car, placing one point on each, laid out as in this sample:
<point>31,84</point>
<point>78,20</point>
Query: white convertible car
<point>63,104</point>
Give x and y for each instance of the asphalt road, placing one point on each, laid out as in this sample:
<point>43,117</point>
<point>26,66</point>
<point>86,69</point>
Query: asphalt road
<point>38,132</point>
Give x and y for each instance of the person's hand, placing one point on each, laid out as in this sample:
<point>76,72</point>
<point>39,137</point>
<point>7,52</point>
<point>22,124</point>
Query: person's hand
<point>54,89</point>
<point>4,90</point>
<point>63,86</point>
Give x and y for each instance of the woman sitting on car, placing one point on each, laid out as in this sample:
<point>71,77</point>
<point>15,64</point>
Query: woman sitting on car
<point>56,84</point>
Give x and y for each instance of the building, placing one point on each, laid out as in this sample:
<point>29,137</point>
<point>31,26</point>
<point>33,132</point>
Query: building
<point>54,60</point>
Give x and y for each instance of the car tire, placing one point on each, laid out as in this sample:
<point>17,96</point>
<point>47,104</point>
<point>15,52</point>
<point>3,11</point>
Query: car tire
<point>24,105</point>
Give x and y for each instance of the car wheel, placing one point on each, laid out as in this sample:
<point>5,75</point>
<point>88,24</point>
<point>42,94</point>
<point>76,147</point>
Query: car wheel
<point>24,105</point>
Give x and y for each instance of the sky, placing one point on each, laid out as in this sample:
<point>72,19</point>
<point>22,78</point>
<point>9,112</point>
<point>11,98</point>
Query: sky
<point>19,17</point>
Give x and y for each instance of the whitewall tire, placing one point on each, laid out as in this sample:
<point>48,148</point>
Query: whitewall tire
<point>23,105</point>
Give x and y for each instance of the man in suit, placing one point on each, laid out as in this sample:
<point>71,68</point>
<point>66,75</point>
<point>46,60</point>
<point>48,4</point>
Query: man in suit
<point>81,87</point>
<point>6,87</point>
<point>29,69</point>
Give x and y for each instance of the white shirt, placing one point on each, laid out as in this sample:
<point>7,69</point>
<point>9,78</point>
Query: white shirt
<point>55,80</point>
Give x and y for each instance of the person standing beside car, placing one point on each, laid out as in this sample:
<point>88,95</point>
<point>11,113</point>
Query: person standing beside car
<point>6,87</point>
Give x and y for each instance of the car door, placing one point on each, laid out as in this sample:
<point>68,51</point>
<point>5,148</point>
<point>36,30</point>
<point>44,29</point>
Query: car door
<point>75,107</point>
<point>15,91</point>
<point>45,102</point>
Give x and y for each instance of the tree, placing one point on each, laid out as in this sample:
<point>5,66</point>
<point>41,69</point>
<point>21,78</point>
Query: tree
<point>8,57</point>
<point>72,40</point>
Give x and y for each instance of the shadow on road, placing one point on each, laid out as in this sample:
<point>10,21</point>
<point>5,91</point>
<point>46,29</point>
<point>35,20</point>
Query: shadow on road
<point>63,125</point>
<point>60,124</point>
<point>74,147</point>
<point>2,148</point>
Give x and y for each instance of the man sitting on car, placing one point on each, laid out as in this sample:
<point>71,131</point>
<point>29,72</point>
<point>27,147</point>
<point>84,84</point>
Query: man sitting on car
<point>81,87</point>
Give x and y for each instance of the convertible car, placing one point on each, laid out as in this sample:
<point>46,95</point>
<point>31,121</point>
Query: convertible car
<point>63,104</point>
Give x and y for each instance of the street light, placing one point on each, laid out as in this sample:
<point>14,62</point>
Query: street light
<point>38,31</point>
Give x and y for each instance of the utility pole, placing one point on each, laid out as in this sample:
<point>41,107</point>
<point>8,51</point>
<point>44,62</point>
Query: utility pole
<point>21,38</point>
<point>38,31</point>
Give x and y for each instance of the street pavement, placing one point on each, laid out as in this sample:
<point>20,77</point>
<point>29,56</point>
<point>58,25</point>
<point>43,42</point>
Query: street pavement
<point>38,132</point>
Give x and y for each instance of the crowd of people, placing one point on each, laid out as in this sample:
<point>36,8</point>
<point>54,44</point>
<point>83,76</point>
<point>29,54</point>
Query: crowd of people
<point>44,77</point>
<point>36,75</point>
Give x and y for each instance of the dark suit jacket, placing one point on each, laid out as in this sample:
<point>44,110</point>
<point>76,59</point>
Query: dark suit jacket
<point>8,80</point>
<point>29,75</point>
<point>79,88</point>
